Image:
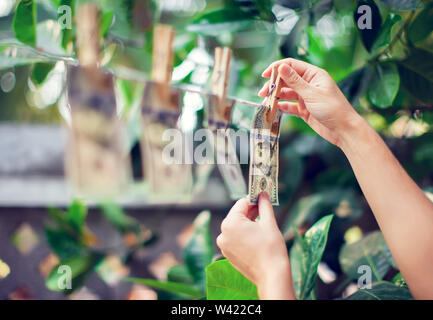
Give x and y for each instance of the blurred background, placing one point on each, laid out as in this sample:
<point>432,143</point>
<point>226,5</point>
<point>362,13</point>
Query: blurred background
<point>386,73</point>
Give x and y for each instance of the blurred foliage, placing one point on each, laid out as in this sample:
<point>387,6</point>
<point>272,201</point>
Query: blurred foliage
<point>385,72</point>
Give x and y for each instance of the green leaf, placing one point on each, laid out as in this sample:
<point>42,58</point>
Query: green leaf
<point>119,219</point>
<point>398,280</point>
<point>369,36</point>
<point>401,5</point>
<point>416,74</point>
<point>198,253</point>
<point>384,36</point>
<point>63,245</point>
<point>371,251</point>
<point>215,22</point>
<point>180,273</point>
<point>63,224</point>
<point>422,25</point>
<point>24,23</point>
<point>382,291</point>
<point>310,207</point>
<point>384,85</point>
<point>306,255</point>
<point>224,282</point>
<point>76,215</point>
<point>180,289</point>
<point>81,266</point>
<point>105,22</point>
<point>40,72</point>
<point>265,9</point>
<point>356,84</point>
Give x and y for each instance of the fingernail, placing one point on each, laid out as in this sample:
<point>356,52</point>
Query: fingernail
<point>284,68</point>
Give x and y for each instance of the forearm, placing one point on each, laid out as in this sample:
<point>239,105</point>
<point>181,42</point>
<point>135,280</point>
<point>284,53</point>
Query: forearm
<point>403,212</point>
<point>277,283</point>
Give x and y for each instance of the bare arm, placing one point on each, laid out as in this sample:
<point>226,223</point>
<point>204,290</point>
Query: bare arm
<point>404,213</point>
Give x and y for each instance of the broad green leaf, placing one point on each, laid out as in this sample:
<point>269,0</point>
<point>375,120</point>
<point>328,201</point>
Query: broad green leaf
<point>416,74</point>
<point>355,85</point>
<point>265,9</point>
<point>422,25</point>
<point>382,291</point>
<point>199,251</point>
<point>369,36</point>
<point>40,72</point>
<point>401,5</point>
<point>384,85</point>
<point>181,289</point>
<point>310,207</point>
<point>306,255</point>
<point>398,280</point>
<point>215,22</point>
<point>105,22</point>
<point>119,219</point>
<point>63,224</point>
<point>224,282</point>
<point>371,251</point>
<point>76,215</point>
<point>180,273</point>
<point>63,244</point>
<point>384,36</point>
<point>81,266</point>
<point>24,23</point>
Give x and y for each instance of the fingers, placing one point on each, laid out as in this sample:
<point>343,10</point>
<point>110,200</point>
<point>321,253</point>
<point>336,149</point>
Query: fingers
<point>291,108</point>
<point>266,211</point>
<point>239,208</point>
<point>285,93</point>
<point>300,66</point>
<point>253,213</point>
<point>294,81</point>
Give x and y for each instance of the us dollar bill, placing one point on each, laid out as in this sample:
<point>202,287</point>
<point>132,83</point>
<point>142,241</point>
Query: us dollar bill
<point>264,155</point>
<point>225,152</point>
<point>96,163</point>
<point>170,177</point>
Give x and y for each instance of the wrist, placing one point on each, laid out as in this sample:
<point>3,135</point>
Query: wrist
<point>276,282</point>
<point>352,131</point>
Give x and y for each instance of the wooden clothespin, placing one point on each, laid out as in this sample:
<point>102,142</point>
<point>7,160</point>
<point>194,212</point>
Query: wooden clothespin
<point>88,45</point>
<point>273,97</point>
<point>220,80</point>
<point>162,59</point>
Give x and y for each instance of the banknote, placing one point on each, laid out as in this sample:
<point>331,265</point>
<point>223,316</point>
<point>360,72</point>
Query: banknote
<point>170,181</point>
<point>95,160</point>
<point>225,152</point>
<point>264,149</point>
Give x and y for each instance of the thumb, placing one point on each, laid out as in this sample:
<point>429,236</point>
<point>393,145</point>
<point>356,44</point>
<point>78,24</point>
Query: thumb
<point>266,211</point>
<point>294,80</point>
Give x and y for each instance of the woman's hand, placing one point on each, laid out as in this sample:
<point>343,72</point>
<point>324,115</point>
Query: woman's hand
<point>319,101</point>
<point>257,248</point>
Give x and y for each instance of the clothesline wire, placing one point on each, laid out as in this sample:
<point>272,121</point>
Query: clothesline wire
<point>133,75</point>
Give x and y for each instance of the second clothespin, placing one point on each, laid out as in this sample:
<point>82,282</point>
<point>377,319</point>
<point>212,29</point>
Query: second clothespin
<point>162,60</point>
<point>273,97</point>
<point>220,80</point>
